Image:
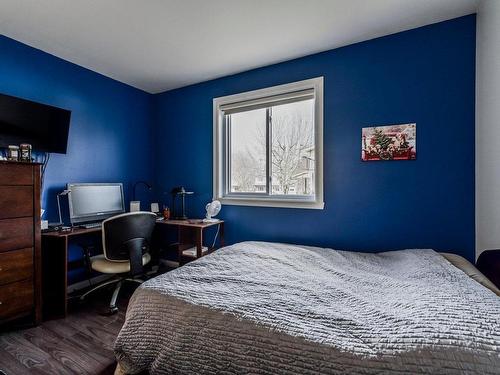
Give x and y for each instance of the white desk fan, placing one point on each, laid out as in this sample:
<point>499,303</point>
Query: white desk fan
<point>213,208</point>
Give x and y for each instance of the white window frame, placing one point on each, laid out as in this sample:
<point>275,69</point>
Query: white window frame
<point>220,143</point>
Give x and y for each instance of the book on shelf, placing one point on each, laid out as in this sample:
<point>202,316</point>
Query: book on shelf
<point>192,251</point>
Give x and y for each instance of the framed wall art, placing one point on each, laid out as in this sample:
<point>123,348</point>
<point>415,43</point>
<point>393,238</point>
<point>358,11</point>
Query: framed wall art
<point>392,142</point>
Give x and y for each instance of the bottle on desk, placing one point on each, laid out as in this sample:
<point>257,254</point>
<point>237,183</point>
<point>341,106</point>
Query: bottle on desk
<point>166,212</point>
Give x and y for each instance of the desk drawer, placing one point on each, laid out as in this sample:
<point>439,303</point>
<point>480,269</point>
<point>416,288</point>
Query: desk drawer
<point>16,201</point>
<point>16,299</point>
<point>16,174</point>
<point>16,265</point>
<point>16,233</point>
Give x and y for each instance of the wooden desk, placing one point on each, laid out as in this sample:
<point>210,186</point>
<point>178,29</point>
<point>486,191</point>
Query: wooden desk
<point>70,233</point>
<point>190,234</point>
<point>55,270</point>
<point>55,259</point>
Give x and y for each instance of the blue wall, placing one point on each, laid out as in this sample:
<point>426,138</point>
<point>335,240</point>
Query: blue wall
<point>110,131</point>
<point>425,75</point>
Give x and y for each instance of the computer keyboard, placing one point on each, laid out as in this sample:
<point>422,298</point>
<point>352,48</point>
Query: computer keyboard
<point>91,225</point>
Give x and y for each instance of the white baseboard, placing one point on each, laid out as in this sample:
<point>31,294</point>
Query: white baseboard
<point>85,283</point>
<point>169,263</point>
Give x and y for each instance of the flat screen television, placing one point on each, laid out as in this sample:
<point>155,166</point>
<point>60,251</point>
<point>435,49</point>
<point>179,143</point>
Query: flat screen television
<point>43,126</point>
<point>94,202</point>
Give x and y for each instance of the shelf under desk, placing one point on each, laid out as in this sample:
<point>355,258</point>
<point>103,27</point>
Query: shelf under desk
<point>190,234</point>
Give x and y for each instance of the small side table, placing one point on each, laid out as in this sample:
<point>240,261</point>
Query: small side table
<point>190,234</point>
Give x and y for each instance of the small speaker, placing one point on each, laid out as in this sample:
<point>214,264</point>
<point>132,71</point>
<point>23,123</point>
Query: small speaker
<point>135,206</point>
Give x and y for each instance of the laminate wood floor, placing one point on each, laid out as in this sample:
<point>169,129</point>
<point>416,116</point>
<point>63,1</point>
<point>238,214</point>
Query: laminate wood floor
<point>82,343</point>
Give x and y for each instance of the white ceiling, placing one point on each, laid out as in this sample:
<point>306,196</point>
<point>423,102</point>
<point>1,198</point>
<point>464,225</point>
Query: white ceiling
<point>158,45</point>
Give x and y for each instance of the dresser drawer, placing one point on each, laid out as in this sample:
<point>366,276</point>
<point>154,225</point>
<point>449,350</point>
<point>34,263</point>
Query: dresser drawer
<point>16,233</point>
<point>16,299</point>
<point>16,201</point>
<point>16,265</point>
<point>16,174</point>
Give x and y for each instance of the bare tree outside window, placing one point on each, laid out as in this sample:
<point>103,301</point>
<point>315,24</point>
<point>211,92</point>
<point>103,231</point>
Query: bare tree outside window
<point>248,159</point>
<point>291,132</point>
<point>292,148</point>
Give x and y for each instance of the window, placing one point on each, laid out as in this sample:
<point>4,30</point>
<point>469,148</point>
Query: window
<point>268,146</point>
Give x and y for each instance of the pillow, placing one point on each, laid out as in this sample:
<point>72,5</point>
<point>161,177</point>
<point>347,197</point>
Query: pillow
<point>471,271</point>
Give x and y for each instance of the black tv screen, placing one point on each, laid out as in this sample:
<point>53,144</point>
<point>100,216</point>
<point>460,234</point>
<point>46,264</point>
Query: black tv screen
<point>43,126</point>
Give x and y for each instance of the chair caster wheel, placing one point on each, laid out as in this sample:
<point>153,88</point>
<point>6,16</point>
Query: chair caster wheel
<point>111,311</point>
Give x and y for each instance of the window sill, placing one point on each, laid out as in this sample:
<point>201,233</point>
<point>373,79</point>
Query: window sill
<point>278,203</point>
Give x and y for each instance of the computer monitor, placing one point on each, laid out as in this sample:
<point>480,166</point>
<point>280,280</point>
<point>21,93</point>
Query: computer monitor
<point>94,202</point>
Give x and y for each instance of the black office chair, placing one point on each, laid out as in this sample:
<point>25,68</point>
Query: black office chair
<point>125,240</point>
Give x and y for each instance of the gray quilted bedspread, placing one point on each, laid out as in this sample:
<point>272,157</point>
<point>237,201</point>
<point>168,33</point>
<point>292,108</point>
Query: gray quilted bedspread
<point>263,308</point>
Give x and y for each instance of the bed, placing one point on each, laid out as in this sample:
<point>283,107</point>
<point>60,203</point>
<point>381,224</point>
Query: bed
<point>267,308</point>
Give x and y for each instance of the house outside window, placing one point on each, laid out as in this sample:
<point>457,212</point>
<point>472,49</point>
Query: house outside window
<point>268,146</point>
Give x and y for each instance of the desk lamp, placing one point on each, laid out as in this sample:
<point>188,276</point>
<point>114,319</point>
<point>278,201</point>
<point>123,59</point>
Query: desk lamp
<point>59,225</point>
<point>64,192</point>
<point>176,192</point>
<point>136,205</point>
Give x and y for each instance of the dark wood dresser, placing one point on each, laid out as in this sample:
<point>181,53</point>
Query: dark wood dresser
<point>20,262</point>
